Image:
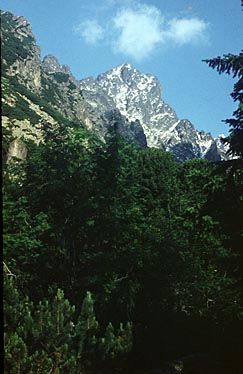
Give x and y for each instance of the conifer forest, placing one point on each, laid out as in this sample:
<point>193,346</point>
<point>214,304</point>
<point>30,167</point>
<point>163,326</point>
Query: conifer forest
<point>118,259</point>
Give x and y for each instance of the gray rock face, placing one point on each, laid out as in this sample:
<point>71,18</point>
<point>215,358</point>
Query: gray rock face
<point>103,112</point>
<point>132,131</point>
<point>50,65</point>
<point>122,95</point>
<point>138,97</point>
<point>21,55</point>
<point>17,150</point>
<point>65,93</point>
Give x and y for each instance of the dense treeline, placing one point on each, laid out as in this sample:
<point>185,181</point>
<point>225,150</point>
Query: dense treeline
<point>119,260</point>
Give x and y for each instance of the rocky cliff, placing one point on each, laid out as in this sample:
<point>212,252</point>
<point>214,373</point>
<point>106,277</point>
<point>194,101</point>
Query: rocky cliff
<point>35,91</point>
<point>20,54</point>
<point>138,96</point>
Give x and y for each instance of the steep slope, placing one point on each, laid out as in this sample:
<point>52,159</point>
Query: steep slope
<point>20,54</point>
<point>138,97</point>
<point>103,112</point>
<point>30,95</point>
<point>36,91</point>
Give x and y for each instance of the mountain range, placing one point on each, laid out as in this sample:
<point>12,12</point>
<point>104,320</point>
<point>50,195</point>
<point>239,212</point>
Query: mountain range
<point>35,90</point>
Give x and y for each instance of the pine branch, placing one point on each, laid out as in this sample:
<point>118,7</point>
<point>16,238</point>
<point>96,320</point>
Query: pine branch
<point>9,273</point>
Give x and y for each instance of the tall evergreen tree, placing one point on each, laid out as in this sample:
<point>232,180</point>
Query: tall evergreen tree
<point>233,64</point>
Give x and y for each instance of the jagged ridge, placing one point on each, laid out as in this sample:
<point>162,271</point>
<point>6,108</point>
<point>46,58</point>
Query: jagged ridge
<point>138,97</point>
<point>123,95</point>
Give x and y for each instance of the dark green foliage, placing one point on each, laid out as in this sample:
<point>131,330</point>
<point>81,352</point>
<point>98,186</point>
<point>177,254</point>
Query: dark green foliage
<point>62,191</point>
<point>50,91</point>
<point>229,64</point>
<point>11,46</point>
<point>233,64</point>
<point>22,110</point>
<point>159,200</point>
<point>71,86</point>
<point>158,245</point>
<point>53,337</point>
<point>211,258</point>
<point>61,77</point>
<point>149,237</point>
<point>7,138</point>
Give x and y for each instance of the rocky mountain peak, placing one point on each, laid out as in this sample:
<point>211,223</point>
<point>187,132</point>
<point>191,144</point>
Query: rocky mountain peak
<point>50,64</point>
<point>129,77</point>
<point>18,25</point>
<point>122,95</point>
<point>138,96</point>
<point>21,55</point>
<point>131,91</point>
<point>103,110</point>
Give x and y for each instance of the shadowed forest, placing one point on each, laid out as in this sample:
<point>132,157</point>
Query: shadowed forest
<point>119,260</point>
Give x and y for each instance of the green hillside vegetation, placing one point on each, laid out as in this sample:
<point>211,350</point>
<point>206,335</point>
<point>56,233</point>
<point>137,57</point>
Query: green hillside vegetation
<point>117,260</point>
<point>50,91</point>
<point>148,238</point>
<point>21,110</point>
<point>61,77</point>
<point>12,49</point>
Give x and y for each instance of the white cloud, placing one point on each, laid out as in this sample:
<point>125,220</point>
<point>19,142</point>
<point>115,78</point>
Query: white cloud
<point>185,30</point>
<point>142,29</point>
<point>138,31</point>
<point>90,30</point>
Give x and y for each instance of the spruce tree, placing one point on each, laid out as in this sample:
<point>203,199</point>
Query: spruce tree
<point>233,64</point>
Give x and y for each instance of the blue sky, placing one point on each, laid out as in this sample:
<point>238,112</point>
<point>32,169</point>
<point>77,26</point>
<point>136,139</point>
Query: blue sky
<point>166,38</point>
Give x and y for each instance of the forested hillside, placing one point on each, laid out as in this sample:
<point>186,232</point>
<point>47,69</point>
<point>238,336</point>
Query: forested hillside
<point>156,245</point>
<point>116,259</point>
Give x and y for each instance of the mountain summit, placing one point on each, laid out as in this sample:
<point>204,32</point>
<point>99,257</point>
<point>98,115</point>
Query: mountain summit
<point>122,95</point>
<point>138,96</point>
